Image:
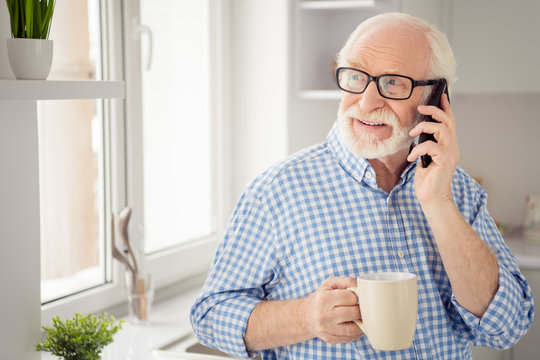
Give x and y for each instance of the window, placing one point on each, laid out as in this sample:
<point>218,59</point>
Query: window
<point>159,153</point>
<point>177,166</point>
<point>173,89</point>
<point>72,168</point>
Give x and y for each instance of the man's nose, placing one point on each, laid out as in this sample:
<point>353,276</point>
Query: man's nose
<point>371,99</point>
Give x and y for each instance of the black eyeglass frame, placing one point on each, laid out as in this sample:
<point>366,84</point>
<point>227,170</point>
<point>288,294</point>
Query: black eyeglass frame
<point>415,83</point>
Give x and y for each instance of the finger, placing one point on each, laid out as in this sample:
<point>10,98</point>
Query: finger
<point>426,148</point>
<point>436,113</point>
<point>445,105</point>
<point>426,127</point>
<point>343,314</point>
<point>347,330</point>
<point>338,297</point>
<point>338,283</point>
<point>345,298</point>
<point>342,333</point>
<point>439,113</point>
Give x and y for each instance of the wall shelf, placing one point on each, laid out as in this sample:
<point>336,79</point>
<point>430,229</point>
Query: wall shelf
<point>20,217</point>
<point>336,4</point>
<point>321,28</point>
<point>60,89</point>
<point>320,94</point>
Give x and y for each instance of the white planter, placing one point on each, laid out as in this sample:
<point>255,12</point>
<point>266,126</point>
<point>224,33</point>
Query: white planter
<point>30,59</point>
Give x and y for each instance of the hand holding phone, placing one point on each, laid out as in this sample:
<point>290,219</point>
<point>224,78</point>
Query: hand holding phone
<point>434,100</point>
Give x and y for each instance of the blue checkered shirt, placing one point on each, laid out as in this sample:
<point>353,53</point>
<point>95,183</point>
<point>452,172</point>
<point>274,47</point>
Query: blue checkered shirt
<point>319,214</point>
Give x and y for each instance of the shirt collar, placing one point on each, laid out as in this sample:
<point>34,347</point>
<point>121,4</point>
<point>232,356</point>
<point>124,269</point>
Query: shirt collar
<point>358,167</point>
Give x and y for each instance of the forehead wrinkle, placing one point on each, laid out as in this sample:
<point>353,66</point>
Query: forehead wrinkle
<point>358,63</point>
<point>368,52</point>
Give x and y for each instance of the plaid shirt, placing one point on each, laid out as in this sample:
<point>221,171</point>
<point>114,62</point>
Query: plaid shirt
<point>319,214</point>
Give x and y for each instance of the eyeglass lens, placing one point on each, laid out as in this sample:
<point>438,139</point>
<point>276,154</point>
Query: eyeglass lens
<point>391,86</point>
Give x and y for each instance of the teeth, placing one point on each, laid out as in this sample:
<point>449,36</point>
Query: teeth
<point>371,124</point>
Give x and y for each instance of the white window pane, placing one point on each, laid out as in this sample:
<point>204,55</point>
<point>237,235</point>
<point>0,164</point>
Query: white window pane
<point>71,155</point>
<point>176,123</point>
<point>71,196</point>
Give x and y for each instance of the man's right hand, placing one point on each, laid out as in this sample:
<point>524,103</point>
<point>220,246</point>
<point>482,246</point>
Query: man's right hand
<point>329,312</point>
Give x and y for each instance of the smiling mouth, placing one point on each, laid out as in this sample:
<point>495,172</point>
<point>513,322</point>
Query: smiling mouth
<point>369,123</point>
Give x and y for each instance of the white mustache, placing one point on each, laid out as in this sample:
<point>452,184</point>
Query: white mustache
<point>379,116</point>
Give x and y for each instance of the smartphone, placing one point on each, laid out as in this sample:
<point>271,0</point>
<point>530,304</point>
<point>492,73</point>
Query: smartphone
<point>435,100</point>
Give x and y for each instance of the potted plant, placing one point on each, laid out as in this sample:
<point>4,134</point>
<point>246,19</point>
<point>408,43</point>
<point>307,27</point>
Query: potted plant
<point>82,337</point>
<point>29,50</point>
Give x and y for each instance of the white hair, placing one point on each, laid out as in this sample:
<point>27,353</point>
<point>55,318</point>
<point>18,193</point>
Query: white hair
<point>441,64</point>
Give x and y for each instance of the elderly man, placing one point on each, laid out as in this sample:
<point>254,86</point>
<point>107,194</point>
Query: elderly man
<point>361,202</point>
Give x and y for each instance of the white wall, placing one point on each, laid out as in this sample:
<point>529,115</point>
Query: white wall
<point>19,230</point>
<point>258,83</point>
<point>5,33</point>
<point>499,138</point>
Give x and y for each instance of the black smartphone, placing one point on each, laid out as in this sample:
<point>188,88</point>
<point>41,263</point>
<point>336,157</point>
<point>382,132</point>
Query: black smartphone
<point>435,100</point>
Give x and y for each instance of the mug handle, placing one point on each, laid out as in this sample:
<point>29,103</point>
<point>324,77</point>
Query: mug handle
<point>358,322</point>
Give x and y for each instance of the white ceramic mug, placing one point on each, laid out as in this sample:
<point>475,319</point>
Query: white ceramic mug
<point>388,305</point>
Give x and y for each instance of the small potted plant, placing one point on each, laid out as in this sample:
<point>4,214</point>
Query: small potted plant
<point>30,50</point>
<point>82,337</point>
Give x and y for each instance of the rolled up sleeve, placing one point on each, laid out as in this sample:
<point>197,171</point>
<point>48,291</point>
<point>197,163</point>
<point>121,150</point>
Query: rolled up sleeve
<point>510,312</point>
<point>244,264</point>
<point>508,316</point>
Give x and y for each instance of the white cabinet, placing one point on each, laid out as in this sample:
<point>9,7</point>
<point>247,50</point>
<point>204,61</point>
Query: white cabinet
<point>495,41</point>
<point>496,44</point>
<point>321,29</point>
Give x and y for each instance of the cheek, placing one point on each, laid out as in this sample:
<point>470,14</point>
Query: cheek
<point>347,100</point>
<point>405,113</point>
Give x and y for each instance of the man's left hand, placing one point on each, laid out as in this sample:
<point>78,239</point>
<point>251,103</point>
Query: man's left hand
<point>433,184</point>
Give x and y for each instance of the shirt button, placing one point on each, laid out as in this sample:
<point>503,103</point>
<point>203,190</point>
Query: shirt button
<point>368,175</point>
<point>401,254</point>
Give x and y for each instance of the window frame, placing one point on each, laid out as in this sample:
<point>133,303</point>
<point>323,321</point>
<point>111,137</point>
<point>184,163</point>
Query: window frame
<point>192,257</point>
<point>189,260</point>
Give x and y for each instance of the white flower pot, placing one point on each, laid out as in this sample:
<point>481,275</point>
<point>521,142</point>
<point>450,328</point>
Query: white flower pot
<point>30,59</point>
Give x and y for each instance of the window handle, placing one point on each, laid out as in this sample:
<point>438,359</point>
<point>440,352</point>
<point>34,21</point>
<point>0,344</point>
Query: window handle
<point>138,31</point>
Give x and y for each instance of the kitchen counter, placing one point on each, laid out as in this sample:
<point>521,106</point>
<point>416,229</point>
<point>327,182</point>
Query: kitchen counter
<point>169,321</point>
<point>527,253</point>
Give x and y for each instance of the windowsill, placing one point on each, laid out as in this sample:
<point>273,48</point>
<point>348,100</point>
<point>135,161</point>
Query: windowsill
<point>169,320</point>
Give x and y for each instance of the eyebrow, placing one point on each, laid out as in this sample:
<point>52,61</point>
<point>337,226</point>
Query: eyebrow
<point>361,65</point>
<point>393,71</point>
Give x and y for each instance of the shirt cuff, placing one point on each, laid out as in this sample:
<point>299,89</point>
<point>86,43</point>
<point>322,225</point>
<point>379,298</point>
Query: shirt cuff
<point>502,311</point>
<point>230,323</point>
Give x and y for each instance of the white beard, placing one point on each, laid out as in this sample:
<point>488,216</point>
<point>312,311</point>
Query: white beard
<point>367,145</point>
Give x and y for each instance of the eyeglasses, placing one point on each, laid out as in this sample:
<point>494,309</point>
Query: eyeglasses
<point>395,87</point>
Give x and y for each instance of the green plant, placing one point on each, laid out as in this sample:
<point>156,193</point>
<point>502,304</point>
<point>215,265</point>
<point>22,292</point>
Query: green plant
<point>30,19</point>
<point>82,337</point>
